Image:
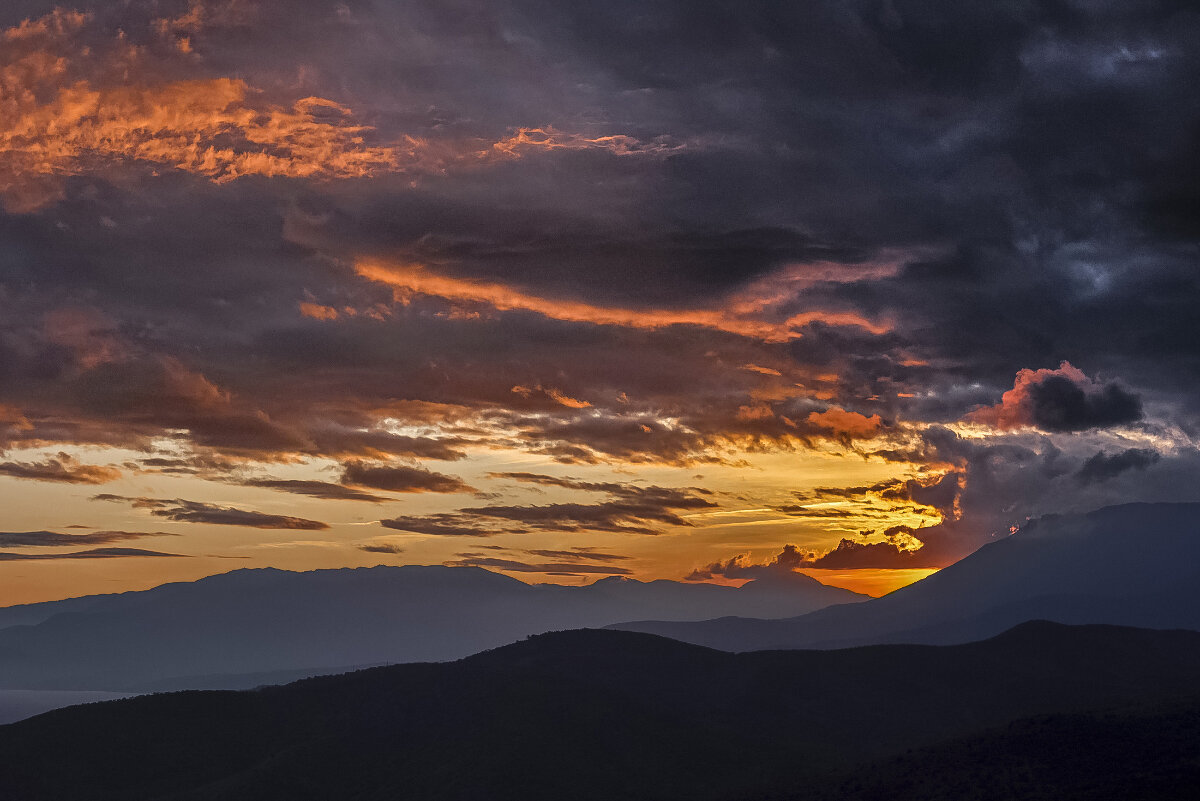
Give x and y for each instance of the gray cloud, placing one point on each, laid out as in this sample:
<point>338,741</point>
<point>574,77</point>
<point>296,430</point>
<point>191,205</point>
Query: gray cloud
<point>385,548</point>
<point>52,539</point>
<point>550,568</point>
<point>95,553</point>
<point>628,509</point>
<point>400,478</point>
<point>62,470</point>
<point>1103,467</point>
<point>184,511</point>
<point>313,488</point>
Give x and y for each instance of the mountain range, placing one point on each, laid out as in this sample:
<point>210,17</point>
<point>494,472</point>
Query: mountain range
<point>251,627</point>
<point>1134,565</point>
<point>599,714</point>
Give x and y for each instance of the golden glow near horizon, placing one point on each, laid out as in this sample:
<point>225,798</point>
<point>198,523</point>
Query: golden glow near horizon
<point>737,524</point>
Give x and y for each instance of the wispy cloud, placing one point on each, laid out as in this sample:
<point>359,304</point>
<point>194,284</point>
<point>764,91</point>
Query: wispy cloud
<point>184,511</point>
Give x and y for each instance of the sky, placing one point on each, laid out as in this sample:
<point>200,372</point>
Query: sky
<point>664,289</point>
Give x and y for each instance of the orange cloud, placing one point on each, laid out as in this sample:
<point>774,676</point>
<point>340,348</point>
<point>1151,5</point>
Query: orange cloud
<point>555,395</point>
<point>848,425</point>
<point>205,15</point>
<point>68,107</point>
<point>318,312</point>
<point>180,125</point>
<point>548,138</point>
<point>566,400</point>
<point>91,336</point>
<point>71,104</point>
<point>409,279</point>
<point>754,368</point>
<point>58,22</point>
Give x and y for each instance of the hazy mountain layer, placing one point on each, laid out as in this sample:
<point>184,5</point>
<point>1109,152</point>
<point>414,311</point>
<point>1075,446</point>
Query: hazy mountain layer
<point>1136,565</point>
<point>267,621</point>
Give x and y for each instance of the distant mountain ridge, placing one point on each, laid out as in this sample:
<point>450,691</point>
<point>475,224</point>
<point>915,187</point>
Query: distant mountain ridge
<point>268,621</point>
<point>595,715</point>
<point>1135,564</point>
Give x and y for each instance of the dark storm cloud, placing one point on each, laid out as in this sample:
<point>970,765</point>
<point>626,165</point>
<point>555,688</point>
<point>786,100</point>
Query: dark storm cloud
<point>1062,400</point>
<point>52,539</point>
<point>1103,467</point>
<point>1061,405</point>
<point>183,511</point>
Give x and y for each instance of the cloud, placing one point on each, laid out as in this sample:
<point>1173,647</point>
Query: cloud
<point>447,524</point>
<point>592,438</point>
<point>846,555</point>
<point>583,553</point>
<point>51,539</point>
<point>629,509</point>
<point>852,555</point>
<point>335,440</point>
<point>65,115</point>
<point>183,511</point>
<point>400,478</point>
<point>739,566</point>
<point>547,138</point>
<point>63,469</point>
<point>95,553</point>
<point>1103,467</point>
<point>551,568</point>
<point>408,279</point>
<point>819,513</point>
<point>315,489</point>
<point>1061,400</point>
<point>384,547</point>
<point>845,425</point>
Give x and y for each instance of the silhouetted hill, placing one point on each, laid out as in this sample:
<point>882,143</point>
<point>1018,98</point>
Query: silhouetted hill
<point>586,715</point>
<point>20,704</point>
<point>271,621</point>
<point>1136,565</point>
<point>1133,756</point>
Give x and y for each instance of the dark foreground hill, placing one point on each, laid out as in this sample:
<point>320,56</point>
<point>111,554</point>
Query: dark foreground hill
<point>1152,755</point>
<point>257,622</point>
<point>1131,565</point>
<point>587,715</point>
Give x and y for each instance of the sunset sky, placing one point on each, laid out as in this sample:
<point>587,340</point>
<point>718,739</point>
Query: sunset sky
<point>689,290</point>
